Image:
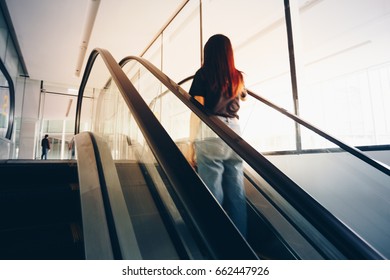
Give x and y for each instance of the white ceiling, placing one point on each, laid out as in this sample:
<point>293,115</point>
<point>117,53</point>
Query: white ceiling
<point>49,32</point>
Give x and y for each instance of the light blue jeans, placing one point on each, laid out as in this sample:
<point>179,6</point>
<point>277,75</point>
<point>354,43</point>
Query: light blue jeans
<point>221,169</point>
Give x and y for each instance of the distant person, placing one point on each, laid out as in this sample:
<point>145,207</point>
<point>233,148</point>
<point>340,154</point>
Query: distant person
<point>71,148</point>
<point>45,147</point>
<point>219,86</point>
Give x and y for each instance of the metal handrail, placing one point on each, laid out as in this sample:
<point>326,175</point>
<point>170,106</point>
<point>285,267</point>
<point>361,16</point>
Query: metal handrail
<point>213,227</point>
<point>352,245</point>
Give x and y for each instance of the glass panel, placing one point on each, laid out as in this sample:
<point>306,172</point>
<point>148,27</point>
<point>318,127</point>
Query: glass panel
<point>11,60</point>
<point>345,68</point>
<point>4,106</point>
<point>4,87</point>
<point>3,36</point>
<point>61,133</point>
<point>112,118</point>
<point>58,121</point>
<point>171,112</point>
<point>92,102</point>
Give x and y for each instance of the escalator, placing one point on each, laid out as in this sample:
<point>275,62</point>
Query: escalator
<point>42,219</point>
<point>286,221</point>
<point>128,211</point>
<point>153,226</point>
<point>155,231</point>
<point>318,189</point>
<point>140,199</point>
<point>160,224</point>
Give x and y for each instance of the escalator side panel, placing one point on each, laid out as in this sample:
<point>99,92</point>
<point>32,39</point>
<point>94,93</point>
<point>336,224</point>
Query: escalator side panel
<point>153,239</point>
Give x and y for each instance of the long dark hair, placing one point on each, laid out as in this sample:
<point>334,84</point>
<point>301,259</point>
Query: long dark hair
<point>219,66</point>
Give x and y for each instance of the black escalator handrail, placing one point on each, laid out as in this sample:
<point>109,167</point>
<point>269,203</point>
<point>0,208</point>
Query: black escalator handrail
<point>214,228</point>
<point>347,241</point>
<point>167,91</point>
<point>352,150</point>
<point>83,84</point>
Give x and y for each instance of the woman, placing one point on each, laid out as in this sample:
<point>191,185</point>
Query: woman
<point>218,86</point>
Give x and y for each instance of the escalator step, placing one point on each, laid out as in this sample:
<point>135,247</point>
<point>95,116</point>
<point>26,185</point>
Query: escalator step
<point>40,212</point>
<point>27,208</point>
<point>50,242</point>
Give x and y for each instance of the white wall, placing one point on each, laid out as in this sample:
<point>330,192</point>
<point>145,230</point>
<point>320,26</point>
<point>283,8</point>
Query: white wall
<point>27,112</point>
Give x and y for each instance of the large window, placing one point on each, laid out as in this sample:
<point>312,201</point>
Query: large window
<point>341,57</point>
<point>59,121</point>
<point>345,68</point>
<point>257,31</point>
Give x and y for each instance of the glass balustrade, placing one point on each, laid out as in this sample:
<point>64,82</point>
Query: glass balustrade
<point>354,192</point>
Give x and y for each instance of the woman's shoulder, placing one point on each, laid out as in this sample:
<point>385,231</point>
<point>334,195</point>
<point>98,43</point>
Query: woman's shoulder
<point>200,75</point>
<point>199,72</point>
<point>198,83</point>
